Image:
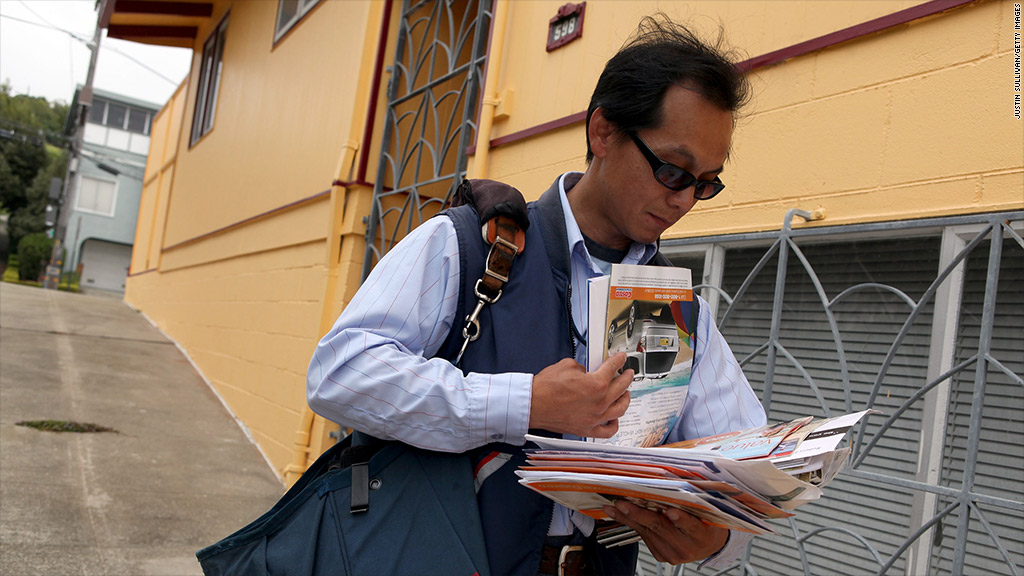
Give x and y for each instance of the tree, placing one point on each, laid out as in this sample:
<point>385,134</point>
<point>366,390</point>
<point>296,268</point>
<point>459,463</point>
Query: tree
<point>33,114</point>
<point>30,156</point>
<point>31,217</point>
<point>21,163</point>
<point>21,158</point>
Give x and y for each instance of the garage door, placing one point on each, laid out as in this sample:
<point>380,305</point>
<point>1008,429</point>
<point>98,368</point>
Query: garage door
<point>104,265</point>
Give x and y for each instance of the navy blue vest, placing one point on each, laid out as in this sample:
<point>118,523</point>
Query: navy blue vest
<point>527,330</point>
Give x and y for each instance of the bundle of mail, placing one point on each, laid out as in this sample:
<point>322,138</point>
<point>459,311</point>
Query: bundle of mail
<point>738,480</point>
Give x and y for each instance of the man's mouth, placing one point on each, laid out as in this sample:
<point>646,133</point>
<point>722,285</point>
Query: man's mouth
<point>662,221</point>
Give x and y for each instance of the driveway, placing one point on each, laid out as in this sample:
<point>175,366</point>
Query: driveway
<point>176,473</point>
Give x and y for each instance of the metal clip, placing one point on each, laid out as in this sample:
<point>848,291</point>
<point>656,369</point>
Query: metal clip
<point>472,329</point>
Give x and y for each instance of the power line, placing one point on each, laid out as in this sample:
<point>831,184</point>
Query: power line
<point>140,63</point>
<point>50,26</point>
<point>87,43</point>
<point>36,14</point>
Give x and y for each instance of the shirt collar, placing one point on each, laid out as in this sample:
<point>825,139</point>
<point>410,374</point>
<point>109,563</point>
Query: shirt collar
<point>638,253</point>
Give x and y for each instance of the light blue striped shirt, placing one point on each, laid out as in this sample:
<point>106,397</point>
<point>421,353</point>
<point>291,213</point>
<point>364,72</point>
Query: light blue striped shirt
<point>374,371</point>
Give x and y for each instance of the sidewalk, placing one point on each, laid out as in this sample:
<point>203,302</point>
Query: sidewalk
<point>178,474</point>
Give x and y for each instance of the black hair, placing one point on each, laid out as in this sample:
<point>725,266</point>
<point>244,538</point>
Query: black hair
<point>660,54</point>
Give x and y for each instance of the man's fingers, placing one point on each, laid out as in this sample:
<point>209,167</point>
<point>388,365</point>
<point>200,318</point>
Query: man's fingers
<point>610,367</point>
<point>621,383</point>
<point>652,526</point>
<point>606,430</point>
<point>619,406</point>
<point>685,521</point>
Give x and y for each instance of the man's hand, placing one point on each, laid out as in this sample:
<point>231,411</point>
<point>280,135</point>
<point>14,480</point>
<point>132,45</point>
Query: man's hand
<point>569,400</point>
<point>674,536</point>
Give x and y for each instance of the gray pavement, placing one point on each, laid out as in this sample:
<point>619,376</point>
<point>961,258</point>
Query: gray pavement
<point>178,475</point>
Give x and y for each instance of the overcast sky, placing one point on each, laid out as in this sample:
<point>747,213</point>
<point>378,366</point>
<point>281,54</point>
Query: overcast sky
<point>40,60</point>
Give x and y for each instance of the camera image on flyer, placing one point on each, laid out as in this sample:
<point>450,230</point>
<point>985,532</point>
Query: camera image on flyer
<point>648,313</point>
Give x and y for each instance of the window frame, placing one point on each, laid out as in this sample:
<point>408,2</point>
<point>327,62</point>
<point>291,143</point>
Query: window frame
<point>113,196</point>
<point>146,122</point>
<point>281,29</point>
<point>210,71</point>
<point>94,108</point>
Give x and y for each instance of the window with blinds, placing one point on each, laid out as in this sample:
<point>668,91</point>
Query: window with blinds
<point>96,196</point>
<point>858,327</point>
<point>867,321</point>
<point>999,456</point>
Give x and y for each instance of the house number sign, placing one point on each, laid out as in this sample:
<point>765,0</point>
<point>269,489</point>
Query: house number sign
<point>566,26</point>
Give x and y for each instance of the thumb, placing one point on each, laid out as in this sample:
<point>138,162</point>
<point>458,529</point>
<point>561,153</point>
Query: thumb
<point>611,367</point>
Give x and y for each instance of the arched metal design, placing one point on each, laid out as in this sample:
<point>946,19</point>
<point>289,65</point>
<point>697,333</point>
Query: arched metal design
<point>946,457</point>
<point>430,116</point>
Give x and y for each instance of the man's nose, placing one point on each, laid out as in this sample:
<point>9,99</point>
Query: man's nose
<point>682,199</point>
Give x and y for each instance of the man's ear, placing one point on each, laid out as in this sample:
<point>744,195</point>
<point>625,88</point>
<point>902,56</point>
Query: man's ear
<point>601,133</point>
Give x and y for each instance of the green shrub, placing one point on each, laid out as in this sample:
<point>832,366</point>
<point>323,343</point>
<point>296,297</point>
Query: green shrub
<point>33,254</point>
<point>69,282</point>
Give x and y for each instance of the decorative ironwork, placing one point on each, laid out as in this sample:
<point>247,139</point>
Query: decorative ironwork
<point>430,116</point>
<point>954,525</point>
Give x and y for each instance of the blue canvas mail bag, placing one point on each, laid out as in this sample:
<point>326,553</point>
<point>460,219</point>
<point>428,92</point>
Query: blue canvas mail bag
<point>411,512</point>
<point>368,506</point>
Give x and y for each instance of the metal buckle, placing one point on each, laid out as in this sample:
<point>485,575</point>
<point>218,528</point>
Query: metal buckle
<point>499,241</point>
<point>566,550</point>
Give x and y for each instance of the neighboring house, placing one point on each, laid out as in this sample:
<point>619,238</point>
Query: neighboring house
<point>850,261</point>
<point>103,201</point>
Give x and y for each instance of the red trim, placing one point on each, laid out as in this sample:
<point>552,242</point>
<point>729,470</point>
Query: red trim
<point>357,182</point>
<point>853,32</point>
<point>535,130</point>
<point>815,44</point>
<point>545,127</point>
<point>371,113</point>
<point>126,31</point>
<point>250,219</point>
<point>169,8</point>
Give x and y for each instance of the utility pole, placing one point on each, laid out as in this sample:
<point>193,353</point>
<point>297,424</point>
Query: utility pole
<point>56,265</point>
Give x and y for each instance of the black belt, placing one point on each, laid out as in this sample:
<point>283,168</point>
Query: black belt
<point>565,560</point>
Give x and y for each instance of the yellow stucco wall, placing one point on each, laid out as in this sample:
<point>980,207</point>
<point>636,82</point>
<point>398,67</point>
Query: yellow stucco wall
<point>915,121</point>
<point>157,181</point>
<point>910,122</point>
<point>235,270</point>
<point>283,114</point>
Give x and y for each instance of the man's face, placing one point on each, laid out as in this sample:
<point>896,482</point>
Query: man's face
<point>694,135</point>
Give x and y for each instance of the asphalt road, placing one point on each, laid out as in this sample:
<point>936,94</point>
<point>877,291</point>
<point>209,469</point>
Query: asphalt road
<point>178,474</point>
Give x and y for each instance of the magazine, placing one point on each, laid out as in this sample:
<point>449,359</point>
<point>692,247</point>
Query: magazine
<point>760,481</point>
<point>647,312</point>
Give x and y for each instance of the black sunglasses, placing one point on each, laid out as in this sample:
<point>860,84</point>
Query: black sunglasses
<point>675,178</point>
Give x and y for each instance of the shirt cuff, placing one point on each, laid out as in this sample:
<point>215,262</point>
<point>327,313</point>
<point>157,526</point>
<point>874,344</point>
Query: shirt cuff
<point>506,415</point>
<point>732,550</point>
